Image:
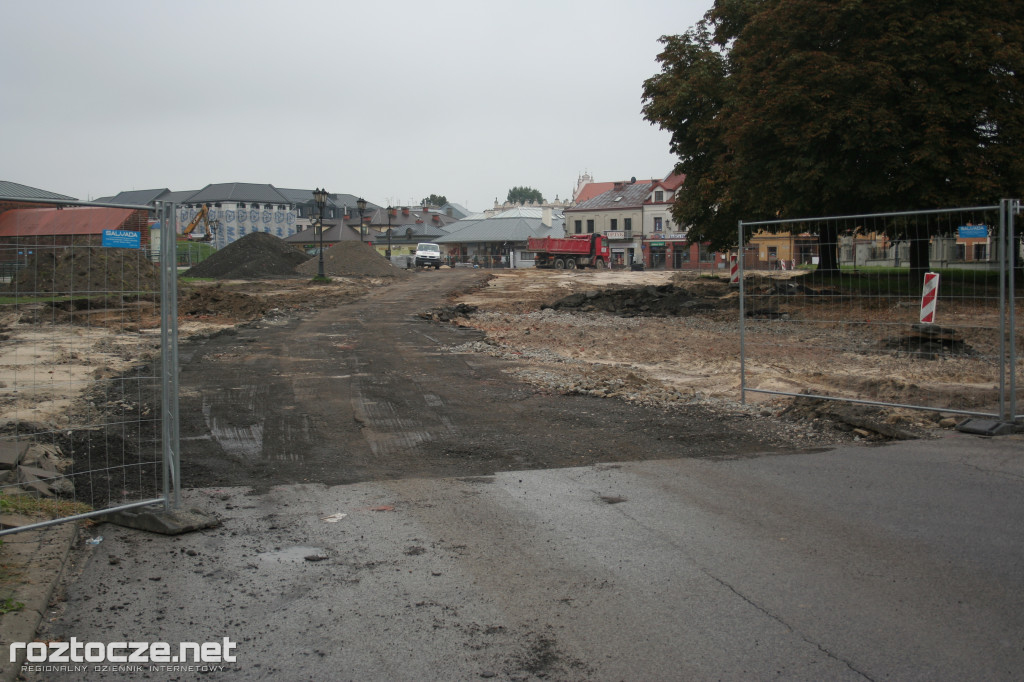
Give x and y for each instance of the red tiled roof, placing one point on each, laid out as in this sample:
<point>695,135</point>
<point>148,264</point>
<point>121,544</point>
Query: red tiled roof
<point>25,222</point>
<point>593,189</point>
<point>673,181</point>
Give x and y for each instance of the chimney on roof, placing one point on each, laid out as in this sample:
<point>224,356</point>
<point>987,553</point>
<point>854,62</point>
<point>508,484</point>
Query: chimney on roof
<point>426,209</point>
<point>545,216</point>
<point>405,210</point>
<point>437,218</point>
<point>618,186</point>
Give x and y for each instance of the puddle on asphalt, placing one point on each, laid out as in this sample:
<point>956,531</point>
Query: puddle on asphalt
<point>295,554</point>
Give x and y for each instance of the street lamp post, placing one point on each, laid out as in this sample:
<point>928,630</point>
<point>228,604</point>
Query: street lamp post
<point>320,197</point>
<point>389,233</point>
<point>361,205</point>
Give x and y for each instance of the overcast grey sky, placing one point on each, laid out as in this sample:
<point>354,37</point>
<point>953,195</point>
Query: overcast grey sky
<point>389,100</point>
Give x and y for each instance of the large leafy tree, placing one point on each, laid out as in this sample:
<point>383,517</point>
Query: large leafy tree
<point>524,195</point>
<point>797,108</point>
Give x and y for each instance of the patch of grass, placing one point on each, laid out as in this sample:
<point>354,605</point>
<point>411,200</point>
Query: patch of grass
<point>882,281</point>
<point>23,300</point>
<point>10,606</point>
<point>41,507</point>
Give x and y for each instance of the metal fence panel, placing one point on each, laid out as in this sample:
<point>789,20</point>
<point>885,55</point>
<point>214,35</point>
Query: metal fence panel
<point>83,349</point>
<point>863,323</point>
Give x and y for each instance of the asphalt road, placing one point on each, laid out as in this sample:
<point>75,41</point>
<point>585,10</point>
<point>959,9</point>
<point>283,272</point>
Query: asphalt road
<point>372,530</point>
<point>897,562</point>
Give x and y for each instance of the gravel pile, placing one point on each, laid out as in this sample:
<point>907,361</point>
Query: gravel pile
<point>254,256</point>
<point>351,259</point>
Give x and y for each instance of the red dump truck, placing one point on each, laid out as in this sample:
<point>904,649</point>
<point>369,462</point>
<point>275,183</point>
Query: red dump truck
<point>575,251</point>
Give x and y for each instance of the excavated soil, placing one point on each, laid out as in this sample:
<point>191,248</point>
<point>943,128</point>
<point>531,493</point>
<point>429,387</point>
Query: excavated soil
<point>351,259</point>
<point>88,270</point>
<point>256,255</point>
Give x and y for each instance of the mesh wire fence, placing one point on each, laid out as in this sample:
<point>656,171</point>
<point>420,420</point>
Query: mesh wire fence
<point>80,362</point>
<point>848,297</point>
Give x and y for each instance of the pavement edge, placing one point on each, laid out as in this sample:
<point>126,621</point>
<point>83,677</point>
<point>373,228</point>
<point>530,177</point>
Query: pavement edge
<point>40,556</point>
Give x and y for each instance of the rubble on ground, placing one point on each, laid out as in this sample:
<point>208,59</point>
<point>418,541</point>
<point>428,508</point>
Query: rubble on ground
<point>659,300</point>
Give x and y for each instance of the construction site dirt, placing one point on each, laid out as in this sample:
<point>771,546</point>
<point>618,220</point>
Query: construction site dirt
<point>460,372</point>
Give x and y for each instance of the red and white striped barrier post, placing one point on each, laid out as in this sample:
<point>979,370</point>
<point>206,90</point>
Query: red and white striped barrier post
<point>734,270</point>
<point>929,296</point>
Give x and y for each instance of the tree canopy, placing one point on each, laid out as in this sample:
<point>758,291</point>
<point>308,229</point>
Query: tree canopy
<point>524,195</point>
<point>802,108</point>
<point>438,200</point>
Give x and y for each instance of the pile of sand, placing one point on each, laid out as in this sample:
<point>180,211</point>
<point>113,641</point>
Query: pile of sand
<point>254,256</point>
<point>351,259</point>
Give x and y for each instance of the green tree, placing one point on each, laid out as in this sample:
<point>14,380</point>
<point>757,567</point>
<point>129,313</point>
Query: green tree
<point>438,200</point>
<point>524,195</point>
<point>796,108</point>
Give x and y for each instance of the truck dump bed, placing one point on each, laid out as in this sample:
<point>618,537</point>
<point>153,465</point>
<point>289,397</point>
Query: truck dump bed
<point>571,245</point>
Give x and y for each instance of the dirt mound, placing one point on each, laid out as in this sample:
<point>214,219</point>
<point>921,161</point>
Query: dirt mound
<point>88,270</point>
<point>666,299</point>
<point>255,255</point>
<point>216,301</point>
<point>351,259</point>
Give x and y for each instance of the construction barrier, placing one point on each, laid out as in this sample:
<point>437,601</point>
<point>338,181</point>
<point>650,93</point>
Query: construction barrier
<point>929,296</point>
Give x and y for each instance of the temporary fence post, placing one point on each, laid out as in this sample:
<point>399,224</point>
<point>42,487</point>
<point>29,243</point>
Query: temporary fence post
<point>169,355</point>
<point>1007,303</point>
<point>743,364</point>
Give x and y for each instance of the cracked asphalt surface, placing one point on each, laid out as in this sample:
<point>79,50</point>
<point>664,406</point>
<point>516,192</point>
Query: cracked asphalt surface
<point>393,512</point>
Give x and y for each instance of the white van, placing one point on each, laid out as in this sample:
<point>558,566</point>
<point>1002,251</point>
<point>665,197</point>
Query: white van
<point>428,254</point>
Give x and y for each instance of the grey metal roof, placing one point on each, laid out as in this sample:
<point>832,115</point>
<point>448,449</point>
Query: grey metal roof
<point>305,196</point>
<point>138,197</point>
<point>332,234</point>
<point>499,229</point>
<point>458,211</point>
<point>629,196</point>
<point>239,191</point>
<point>15,190</point>
<point>178,197</point>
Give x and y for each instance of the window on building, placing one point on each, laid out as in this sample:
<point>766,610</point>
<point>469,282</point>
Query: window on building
<point>627,224</point>
<point>614,224</point>
<point>590,226</point>
<point>659,196</point>
<point>579,226</point>
<point>980,251</point>
<point>657,224</point>
<point>705,255</point>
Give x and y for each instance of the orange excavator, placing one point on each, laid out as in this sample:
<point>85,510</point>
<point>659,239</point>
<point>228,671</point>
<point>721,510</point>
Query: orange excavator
<point>203,216</point>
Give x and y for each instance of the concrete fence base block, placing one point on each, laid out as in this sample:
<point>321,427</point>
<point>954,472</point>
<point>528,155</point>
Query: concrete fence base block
<point>986,427</point>
<point>166,522</point>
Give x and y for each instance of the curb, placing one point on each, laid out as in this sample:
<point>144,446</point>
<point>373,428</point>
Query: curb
<point>39,556</point>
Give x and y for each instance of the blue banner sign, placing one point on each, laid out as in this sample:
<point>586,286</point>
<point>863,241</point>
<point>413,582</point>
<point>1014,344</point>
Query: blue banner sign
<point>122,239</point>
<point>973,231</point>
